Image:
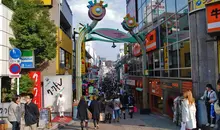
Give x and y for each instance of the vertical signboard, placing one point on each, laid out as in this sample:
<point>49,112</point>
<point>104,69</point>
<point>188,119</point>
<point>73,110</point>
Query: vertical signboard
<point>36,77</point>
<point>151,40</point>
<point>166,64</point>
<point>53,86</point>
<point>27,59</point>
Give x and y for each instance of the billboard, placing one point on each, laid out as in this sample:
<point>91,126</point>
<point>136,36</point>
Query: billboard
<point>53,86</point>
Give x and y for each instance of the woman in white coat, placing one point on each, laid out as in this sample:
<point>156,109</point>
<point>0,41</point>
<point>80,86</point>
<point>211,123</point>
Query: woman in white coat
<point>189,111</point>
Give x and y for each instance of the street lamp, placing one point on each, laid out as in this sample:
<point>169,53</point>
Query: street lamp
<point>113,46</point>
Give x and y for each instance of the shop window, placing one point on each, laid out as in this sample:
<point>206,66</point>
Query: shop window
<point>157,73</point>
<point>150,58</point>
<point>173,61</point>
<point>163,34</point>
<point>185,73</point>
<point>5,89</point>
<point>65,59</point>
<point>180,4</point>
<point>184,54</point>
<point>183,24</point>
<point>156,59</point>
<point>173,73</point>
<point>164,73</point>
<point>171,7</point>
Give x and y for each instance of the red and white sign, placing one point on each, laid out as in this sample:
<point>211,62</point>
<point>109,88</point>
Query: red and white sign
<point>36,76</point>
<point>213,17</point>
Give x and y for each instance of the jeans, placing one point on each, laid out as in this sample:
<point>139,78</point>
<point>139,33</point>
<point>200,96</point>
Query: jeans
<point>15,125</point>
<point>95,122</point>
<point>117,114</point>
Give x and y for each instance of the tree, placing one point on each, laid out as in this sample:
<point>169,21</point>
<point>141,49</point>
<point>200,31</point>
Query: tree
<point>34,30</point>
<point>9,3</point>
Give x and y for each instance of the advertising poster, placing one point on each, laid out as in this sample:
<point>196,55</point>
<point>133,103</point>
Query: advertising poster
<point>53,86</point>
<point>36,77</point>
<point>199,4</point>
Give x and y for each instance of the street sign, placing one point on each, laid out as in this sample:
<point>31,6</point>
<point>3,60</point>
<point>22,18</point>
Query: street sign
<point>27,59</point>
<point>15,69</point>
<point>15,53</point>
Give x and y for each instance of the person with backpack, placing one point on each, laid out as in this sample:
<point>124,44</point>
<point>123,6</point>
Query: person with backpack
<point>210,98</point>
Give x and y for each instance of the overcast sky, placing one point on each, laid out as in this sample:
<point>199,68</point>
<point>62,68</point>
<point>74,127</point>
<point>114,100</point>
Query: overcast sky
<point>115,13</point>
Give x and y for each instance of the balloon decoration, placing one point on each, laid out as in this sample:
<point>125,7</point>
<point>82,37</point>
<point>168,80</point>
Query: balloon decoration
<point>129,23</point>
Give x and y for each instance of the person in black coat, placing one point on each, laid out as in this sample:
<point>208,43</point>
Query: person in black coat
<point>96,109</point>
<point>82,113</point>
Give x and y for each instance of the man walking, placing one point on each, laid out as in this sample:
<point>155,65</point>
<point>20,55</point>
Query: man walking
<point>31,114</point>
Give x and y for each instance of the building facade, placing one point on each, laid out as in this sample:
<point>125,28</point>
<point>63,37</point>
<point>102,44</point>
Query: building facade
<point>5,46</point>
<point>168,52</point>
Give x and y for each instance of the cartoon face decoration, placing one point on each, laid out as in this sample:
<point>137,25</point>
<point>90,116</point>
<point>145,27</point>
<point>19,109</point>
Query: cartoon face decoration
<point>97,10</point>
<point>129,23</point>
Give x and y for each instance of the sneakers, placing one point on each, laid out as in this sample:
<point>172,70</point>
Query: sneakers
<point>212,125</point>
<point>207,124</point>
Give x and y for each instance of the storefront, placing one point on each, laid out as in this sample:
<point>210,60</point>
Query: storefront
<point>156,96</point>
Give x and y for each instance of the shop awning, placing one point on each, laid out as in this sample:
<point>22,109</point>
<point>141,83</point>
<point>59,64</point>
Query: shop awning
<point>139,89</point>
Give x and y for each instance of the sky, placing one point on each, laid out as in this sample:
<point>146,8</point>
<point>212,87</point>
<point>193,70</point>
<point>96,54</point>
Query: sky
<point>115,13</point>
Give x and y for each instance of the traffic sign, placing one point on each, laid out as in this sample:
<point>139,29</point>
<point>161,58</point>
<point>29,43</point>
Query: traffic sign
<point>15,53</point>
<point>15,69</point>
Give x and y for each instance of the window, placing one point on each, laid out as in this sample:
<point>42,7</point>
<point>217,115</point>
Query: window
<point>170,4</point>
<point>5,89</point>
<point>184,54</point>
<point>183,24</point>
<point>156,59</point>
<point>185,73</point>
<point>164,73</point>
<point>171,28</point>
<point>173,61</point>
<point>162,58</point>
<point>174,73</point>
<point>163,37</point>
<point>139,4</point>
<point>65,59</point>
<point>140,17</point>
<point>181,3</point>
<point>150,58</point>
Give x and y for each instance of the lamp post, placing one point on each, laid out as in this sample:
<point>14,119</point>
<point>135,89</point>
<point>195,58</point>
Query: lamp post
<point>96,12</point>
<point>129,24</point>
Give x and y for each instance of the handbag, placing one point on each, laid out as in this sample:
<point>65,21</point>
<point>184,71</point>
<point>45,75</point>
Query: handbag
<point>217,107</point>
<point>135,109</point>
<point>183,126</point>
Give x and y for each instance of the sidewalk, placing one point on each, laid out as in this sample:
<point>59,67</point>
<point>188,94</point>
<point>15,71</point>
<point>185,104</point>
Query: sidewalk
<point>139,122</point>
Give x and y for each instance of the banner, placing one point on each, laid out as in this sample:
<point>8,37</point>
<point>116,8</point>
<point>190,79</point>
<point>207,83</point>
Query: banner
<point>83,58</point>
<point>53,86</point>
<point>36,77</point>
<point>199,4</point>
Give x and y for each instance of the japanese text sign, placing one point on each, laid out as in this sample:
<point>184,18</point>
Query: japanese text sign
<point>36,77</point>
<point>213,17</point>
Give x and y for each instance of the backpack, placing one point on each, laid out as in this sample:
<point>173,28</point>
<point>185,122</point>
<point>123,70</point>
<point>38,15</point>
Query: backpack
<point>217,107</point>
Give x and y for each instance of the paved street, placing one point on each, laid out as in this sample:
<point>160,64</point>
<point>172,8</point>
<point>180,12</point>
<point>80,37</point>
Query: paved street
<point>140,122</point>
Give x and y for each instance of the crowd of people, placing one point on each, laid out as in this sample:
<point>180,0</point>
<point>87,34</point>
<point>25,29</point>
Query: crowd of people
<point>112,108</point>
<point>185,108</point>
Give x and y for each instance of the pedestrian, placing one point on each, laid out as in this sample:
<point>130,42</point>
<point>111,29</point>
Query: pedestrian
<point>217,106</point>
<point>61,105</point>
<point>96,109</point>
<point>188,111</point>
<point>117,105</point>
<point>124,105</point>
<point>109,108</point>
<point>131,105</point>
<point>31,114</point>
<point>14,113</point>
<point>210,98</point>
<point>82,112</point>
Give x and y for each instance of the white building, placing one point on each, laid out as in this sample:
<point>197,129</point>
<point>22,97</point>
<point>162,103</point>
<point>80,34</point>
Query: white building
<point>95,58</point>
<point>5,46</point>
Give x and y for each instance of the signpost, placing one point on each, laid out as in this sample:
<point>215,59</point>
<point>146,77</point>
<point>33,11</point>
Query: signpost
<point>27,59</point>
<point>14,66</point>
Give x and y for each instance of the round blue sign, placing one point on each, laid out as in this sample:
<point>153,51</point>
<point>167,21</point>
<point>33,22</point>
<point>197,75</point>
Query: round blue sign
<point>15,53</point>
<point>15,69</point>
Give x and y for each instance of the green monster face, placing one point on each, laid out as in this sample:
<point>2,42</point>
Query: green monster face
<point>97,10</point>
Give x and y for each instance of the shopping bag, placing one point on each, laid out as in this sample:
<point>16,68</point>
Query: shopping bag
<point>183,126</point>
<point>102,117</point>
<point>135,109</point>
<point>89,115</point>
<point>113,115</point>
